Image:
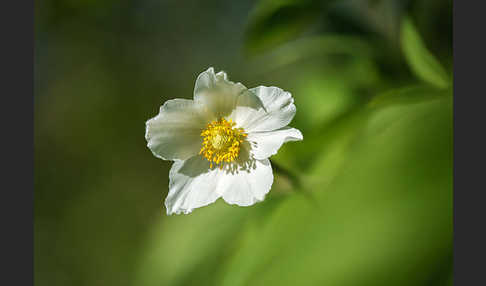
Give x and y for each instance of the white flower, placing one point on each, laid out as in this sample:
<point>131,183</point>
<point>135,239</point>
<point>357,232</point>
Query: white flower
<point>220,141</point>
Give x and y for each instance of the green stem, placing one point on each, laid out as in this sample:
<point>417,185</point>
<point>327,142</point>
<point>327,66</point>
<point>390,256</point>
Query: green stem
<point>294,179</point>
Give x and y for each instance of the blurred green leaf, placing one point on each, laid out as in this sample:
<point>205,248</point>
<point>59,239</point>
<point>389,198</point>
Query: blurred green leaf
<point>385,219</point>
<point>337,140</point>
<point>315,47</point>
<point>275,22</point>
<point>407,95</point>
<point>325,98</point>
<point>420,60</point>
<point>185,249</point>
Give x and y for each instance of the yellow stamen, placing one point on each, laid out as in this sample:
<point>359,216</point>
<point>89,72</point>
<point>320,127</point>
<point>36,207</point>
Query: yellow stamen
<point>221,142</point>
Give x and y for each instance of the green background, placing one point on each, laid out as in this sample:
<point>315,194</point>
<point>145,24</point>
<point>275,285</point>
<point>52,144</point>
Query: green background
<point>365,199</point>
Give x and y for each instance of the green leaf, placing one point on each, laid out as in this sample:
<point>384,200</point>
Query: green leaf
<point>275,22</point>
<point>421,61</point>
<point>312,47</point>
<point>185,249</point>
<point>385,219</point>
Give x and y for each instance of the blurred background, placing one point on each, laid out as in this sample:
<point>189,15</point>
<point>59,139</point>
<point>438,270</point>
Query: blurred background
<point>365,199</point>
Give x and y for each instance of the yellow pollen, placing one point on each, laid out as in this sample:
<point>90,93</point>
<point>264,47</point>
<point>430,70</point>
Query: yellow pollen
<point>221,142</point>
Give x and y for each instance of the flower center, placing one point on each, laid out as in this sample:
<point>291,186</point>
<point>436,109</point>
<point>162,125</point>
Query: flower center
<point>221,142</point>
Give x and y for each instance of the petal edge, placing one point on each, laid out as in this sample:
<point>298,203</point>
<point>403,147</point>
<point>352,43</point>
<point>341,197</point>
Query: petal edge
<point>266,144</point>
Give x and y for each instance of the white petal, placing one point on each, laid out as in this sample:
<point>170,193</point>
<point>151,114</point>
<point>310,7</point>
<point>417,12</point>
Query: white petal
<point>266,144</point>
<point>217,93</point>
<point>248,107</point>
<point>247,186</point>
<point>192,185</point>
<point>175,132</point>
<point>278,110</point>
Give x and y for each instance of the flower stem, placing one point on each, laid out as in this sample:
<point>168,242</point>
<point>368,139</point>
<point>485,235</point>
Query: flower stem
<point>294,179</point>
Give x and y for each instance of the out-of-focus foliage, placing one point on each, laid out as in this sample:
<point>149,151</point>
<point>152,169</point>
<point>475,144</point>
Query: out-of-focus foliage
<point>365,199</point>
<point>275,22</point>
<point>419,58</point>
